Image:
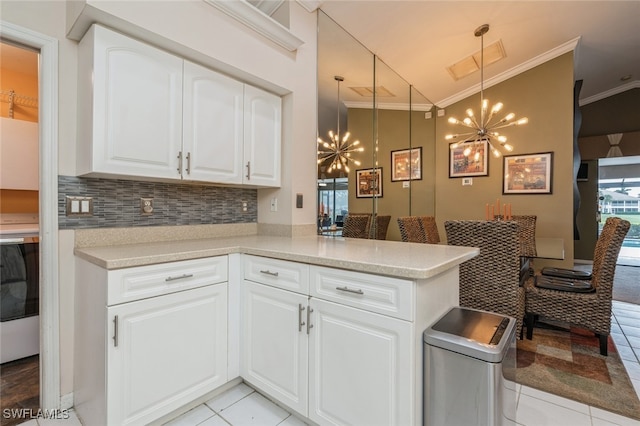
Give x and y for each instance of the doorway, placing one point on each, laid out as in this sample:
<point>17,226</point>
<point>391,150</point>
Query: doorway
<point>619,195</point>
<point>333,202</point>
<point>49,364</point>
<point>19,231</point>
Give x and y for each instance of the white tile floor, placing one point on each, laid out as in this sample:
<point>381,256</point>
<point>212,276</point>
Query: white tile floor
<point>241,405</point>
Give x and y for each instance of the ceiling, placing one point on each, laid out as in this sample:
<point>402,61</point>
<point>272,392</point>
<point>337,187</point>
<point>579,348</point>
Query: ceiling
<point>420,39</point>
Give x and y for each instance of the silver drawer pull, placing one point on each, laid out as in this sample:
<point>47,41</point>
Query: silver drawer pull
<point>309,325</point>
<point>179,162</point>
<point>268,272</point>
<point>181,277</point>
<point>115,331</point>
<point>350,290</point>
<point>301,323</point>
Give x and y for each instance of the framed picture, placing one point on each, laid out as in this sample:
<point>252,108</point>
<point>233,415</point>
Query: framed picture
<point>474,164</point>
<point>528,174</point>
<point>406,164</point>
<point>369,183</point>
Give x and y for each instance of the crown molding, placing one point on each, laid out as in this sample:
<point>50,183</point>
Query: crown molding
<point>389,106</point>
<point>253,18</point>
<point>311,5</point>
<point>616,90</point>
<point>525,66</point>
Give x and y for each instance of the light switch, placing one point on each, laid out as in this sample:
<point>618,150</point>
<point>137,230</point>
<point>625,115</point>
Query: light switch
<point>79,206</point>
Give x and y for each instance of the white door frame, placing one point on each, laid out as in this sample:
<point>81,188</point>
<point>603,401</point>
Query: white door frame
<point>48,127</point>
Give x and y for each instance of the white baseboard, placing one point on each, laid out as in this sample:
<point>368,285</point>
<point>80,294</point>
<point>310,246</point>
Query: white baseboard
<point>66,401</point>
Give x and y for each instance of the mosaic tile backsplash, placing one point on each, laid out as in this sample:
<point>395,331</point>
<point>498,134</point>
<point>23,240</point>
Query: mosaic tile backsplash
<point>116,203</point>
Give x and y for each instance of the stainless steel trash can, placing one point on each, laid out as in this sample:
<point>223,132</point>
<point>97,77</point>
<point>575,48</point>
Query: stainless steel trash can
<point>469,369</point>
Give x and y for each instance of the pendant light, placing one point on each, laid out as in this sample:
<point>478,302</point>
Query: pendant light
<point>483,129</point>
<point>337,151</point>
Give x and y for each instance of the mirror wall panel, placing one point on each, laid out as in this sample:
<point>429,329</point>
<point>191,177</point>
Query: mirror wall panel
<point>339,54</point>
<point>387,115</point>
<point>423,137</point>
<point>392,143</point>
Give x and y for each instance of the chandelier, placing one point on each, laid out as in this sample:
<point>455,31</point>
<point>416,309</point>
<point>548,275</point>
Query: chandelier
<point>484,127</point>
<point>337,151</point>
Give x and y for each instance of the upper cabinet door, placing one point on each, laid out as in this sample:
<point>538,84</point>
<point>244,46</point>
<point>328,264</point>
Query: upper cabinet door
<point>133,124</point>
<point>212,126</point>
<point>262,137</point>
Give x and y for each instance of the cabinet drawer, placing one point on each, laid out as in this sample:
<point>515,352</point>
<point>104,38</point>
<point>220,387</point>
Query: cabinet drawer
<point>277,273</point>
<point>130,284</point>
<point>384,295</point>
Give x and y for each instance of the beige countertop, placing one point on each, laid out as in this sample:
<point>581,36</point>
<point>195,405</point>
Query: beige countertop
<point>393,258</point>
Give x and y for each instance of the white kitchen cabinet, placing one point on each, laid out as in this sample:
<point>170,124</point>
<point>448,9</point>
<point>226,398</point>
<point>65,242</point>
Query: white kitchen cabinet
<point>139,360</point>
<point>144,112</point>
<point>213,126</point>
<point>275,343</point>
<point>130,107</point>
<point>331,362</point>
<point>262,137</point>
<point>359,367</point>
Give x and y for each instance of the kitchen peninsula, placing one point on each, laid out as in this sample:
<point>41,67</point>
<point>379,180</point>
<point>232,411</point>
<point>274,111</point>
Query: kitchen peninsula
<point>329,327</point>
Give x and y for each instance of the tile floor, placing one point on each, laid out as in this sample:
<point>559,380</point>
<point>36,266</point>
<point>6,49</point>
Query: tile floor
<point>241,405</point>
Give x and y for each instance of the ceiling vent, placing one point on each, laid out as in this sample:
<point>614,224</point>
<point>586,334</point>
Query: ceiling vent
<point>381,91</point>
<point>492,53</point>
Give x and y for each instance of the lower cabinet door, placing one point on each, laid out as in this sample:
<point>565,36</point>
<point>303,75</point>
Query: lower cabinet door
<point>275,343</point>
<point>164,352</point>
<point>360,367</point>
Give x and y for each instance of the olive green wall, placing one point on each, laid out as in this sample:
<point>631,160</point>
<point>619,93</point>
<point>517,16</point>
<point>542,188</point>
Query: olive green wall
<point>397,130</point>
<point>544,94</point>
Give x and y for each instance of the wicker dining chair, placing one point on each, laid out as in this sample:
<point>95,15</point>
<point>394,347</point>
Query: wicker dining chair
<point>430,229</point>
<point>490,281</point>
<point>356,226</point>
<point>411,229</point>
<point>591,311</point>
<point>527,237</point>
<point>379,227</point>
<point>527,234</point>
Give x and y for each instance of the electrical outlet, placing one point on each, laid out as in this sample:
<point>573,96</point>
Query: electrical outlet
<point>146,206</point>
<point>244,206</point>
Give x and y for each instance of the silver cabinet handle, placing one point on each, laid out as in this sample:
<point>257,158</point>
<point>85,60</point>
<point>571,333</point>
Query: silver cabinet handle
<point>350,290</point>
<point>115,331</point>
<point>179,162</point>
<point>309,325</point>
<point>181,277</point>
<point>248,170</point>
<point>188,163</point>
<point>300,322</point>
<point>268,272</point>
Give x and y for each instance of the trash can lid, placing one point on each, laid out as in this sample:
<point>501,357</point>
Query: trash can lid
<point>472,332</point>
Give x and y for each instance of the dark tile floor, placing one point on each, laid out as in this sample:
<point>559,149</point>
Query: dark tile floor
<point>19,387</point>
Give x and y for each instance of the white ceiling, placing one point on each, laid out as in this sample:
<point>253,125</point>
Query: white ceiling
<point>420,39</point>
